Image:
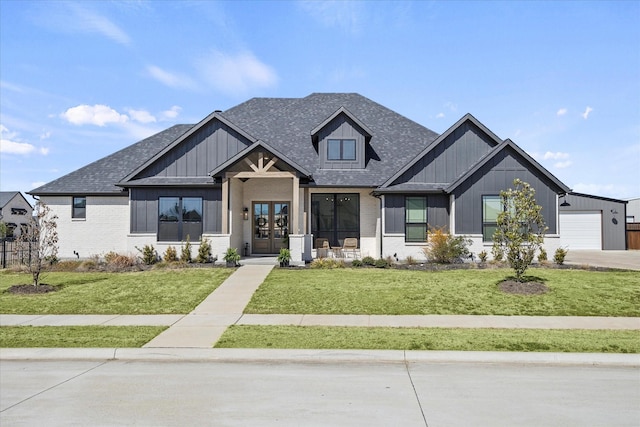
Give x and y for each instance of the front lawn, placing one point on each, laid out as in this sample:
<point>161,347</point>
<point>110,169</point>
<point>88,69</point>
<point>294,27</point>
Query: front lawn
<point>469,291</point>
<point>77,336</point>
<point>327,337</point>
<point>145,292</point>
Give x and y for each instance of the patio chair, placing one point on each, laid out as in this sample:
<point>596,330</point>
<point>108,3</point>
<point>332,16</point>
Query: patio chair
<point>322,248</point>
<point>350,246</point>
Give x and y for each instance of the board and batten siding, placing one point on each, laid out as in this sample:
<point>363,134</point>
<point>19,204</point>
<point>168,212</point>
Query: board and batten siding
<point>496,175</point>
<point>144,207</point>
<point>200,153</point>
<point>394,215</point>
<point>342,127</point>
<point>613,224</point>
<point>451,157</point>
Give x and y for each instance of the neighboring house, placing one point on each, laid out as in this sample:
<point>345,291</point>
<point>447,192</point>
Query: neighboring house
<point>633,210</point>
<point>15,212</point>
<point>276,171</point>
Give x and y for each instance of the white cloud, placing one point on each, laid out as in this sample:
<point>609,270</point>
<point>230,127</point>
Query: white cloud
<point>170,79</point>
<point>348,16</point>
<point>451,106</point>
<point>45,135</point>
<point>171,113</point>
<point>90,21</point>
<point>563,165</point>
<point>141,116</point>
<point>439,115</point>
<point>236,73</point>
<point>586,113</point>
<point>561,112</point>
<point>555,156</point>
<point>10,144</point>
<point>38,184</point>
<point>98,115</point>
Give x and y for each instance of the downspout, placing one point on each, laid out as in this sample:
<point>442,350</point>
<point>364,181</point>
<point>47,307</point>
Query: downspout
<point>377,196</point>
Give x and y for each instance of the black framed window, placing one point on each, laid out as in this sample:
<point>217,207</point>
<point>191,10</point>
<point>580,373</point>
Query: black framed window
<point>179,217</point>
<point>415,227</point>
<point>341,149</point>
<point>79,209</point>
<point>491,208</point>
<point>335,216</point>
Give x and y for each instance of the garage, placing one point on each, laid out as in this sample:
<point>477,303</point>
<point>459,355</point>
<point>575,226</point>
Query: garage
<point>581,229</point>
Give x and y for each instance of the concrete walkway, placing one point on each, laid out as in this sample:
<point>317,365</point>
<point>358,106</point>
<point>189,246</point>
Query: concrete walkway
<point>628,260</point>
<point>222,308</point>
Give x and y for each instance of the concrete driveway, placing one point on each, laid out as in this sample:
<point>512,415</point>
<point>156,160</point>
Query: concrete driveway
<point>629,260</point>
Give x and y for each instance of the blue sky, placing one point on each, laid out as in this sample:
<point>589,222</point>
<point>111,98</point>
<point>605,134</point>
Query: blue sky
<point>80,80</point>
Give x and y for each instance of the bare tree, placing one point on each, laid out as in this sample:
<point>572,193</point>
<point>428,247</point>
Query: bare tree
<point>40,237</point>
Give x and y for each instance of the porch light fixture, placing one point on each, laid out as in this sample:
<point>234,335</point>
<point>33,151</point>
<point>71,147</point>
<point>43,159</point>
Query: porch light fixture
<point>564,201</point>
<point>245,214</point>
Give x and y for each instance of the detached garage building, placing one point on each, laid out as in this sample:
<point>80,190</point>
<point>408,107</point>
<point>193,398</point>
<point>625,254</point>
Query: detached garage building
<point>592,222</point>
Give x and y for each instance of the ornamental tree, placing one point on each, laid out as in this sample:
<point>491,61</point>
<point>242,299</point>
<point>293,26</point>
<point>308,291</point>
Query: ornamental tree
<point>40,238</point>
<point>521,227</point>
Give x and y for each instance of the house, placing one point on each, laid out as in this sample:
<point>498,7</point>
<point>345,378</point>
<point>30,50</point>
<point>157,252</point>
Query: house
<point>271,172</point>
<point>15,212</point>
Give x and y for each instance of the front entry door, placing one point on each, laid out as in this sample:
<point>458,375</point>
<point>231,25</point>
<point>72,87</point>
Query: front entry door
<point>270,227</point>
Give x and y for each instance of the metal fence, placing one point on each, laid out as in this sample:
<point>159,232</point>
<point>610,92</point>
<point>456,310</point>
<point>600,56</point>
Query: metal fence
<point>14,253</point>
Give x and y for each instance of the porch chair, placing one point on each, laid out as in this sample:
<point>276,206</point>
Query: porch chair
<point>350,246</point>
<point>322,248</point>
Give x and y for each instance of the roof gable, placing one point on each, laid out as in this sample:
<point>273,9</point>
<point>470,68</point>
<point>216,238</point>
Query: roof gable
<point>448,156</point>
<point>509,145</point>
<point>204,147</point>
<point>368,133</point>
<point>6,197</point>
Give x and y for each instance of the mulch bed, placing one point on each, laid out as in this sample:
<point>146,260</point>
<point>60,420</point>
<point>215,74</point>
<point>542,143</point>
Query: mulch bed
<point>31,290</point>
<point>523,288</point>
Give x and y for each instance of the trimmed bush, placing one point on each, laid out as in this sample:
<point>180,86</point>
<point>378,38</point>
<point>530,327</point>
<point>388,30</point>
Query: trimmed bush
<point>444,248</point>
<point>170,255</point>
<point>560,255</point>
<point>204,251</point>
<point>368,260</point>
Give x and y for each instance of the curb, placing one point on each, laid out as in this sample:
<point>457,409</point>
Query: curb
<point>315,356</point>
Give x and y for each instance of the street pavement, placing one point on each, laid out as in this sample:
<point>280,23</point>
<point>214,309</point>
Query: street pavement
<point>268,393</point>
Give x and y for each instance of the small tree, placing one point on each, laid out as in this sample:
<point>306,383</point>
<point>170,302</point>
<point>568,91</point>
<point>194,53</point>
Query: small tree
<point>185,253</point>
<point>40,236</point>
<point>204,251</point>
<point>521,227</point>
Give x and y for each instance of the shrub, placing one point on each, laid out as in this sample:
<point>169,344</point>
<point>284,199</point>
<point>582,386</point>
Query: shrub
<point>560,255</point>
<point>444,248</point>
<point>483,256</point>
<point>149,254</point>
<point>410,260</point>
<point>497,253</point>
<point>204,251</point>
<point>382,263</point>
<point>368,260</point>
<point>185,254</point>
<point>118,261</point>
<point>170,255</point>
<point>356,263</point>
<point>327,263</point>
<point>231,257</point>
<point>542,256</point>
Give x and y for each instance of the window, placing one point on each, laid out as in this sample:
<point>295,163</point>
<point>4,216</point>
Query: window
<point>179,217</point>
<point>335,216</point>
<point>491,207</point>
<point>79,210</point>
<point>341,149</point>
<point>415,227</point>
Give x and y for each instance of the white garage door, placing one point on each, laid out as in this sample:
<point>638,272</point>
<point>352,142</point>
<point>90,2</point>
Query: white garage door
<point>581,230</point>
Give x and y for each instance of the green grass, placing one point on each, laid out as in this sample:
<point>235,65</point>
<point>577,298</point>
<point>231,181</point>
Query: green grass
<point>471,291</point>
<point>147,292</point>
<point>325,337</point>
<point>77,336</point>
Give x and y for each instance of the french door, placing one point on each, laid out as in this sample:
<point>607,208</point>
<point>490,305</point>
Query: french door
<point>270,227</point>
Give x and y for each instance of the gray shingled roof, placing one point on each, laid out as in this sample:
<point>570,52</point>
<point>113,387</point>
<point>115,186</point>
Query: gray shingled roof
<point>101,176</point>
<point>284,124</point>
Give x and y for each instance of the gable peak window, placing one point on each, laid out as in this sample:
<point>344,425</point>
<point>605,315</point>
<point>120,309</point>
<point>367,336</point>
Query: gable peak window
<point>341,149</point>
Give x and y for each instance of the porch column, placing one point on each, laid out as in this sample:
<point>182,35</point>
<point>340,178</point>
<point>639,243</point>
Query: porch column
<point>295,228</point>
<point>225,205</point>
